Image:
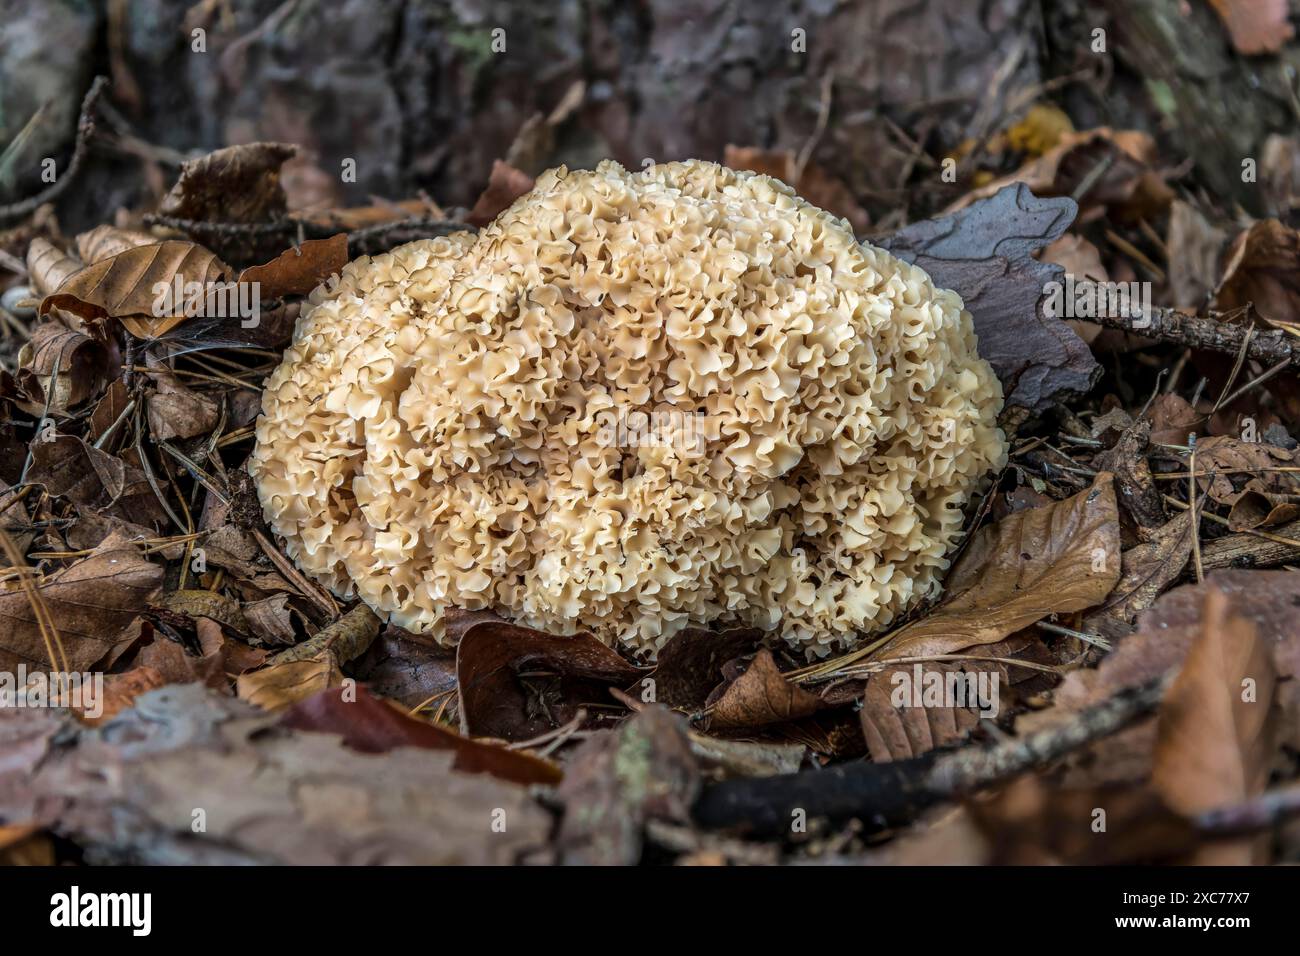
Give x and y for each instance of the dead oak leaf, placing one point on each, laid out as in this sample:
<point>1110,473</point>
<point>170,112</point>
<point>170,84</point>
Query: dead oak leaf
<point>235,184</point>
<point>762,695</point>
<point>1215,738</point>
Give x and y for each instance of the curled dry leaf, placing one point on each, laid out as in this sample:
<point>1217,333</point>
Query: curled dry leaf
<point>690,665</point>
<point>505,185</point>
<point>1146,570</point>
<point>298,270</point>
<point>371,725</point>
<point>762,695</point>
<point>236,184</point>
<point>104,242</point>
<point>126,287</point>
<point>48,266</point>
<point>985,253</point>
<point>899,733</point>
<point>60,368</point>
<point>1262,268</point>
<point>91,604</point>
<point>517,683</point>
<point>94,480</point>
<point>1058,558</point>
<point>1215,739</point>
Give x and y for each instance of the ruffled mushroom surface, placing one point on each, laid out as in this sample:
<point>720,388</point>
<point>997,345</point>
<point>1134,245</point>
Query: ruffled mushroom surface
<point>633,403</point>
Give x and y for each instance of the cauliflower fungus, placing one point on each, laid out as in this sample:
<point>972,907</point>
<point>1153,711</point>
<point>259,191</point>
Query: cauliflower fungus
<point>634,402</point>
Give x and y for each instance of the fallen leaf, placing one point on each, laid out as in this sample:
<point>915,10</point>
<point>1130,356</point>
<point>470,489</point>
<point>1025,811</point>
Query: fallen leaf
<point>120,692</point>
<point>236,184</point>
<point>371,725</point>
<point>505,185</point>
<point>126,287</point>
<point>403,668</point>
<point>689,666</point>
<point>1194,246</point>
<point>104,242</point>
<point>1215,738</point>
<point>48,266</point>
<point>93,479</point>
<point>60,368</point>
<point>499,699</point>
<point>1145,572</point>
<point>1058,558</point>
<point>761,695</point>
<point>312,666</point>
<point>299,270</point>
<point>91,604</point>
<point>174,411</point>
<point>1262,268</point>
<point>1255,26</point>
<point>984,253</point>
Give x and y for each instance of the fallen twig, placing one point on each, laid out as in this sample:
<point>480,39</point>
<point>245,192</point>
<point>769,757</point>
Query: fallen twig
<point>882,795</point>
<point>1270,346</point>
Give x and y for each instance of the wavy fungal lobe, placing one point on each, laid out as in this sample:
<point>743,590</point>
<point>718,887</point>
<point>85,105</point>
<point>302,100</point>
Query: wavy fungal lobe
<point>633,403</point>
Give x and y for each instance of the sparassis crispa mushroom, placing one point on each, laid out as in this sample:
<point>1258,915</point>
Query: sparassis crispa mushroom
<point>457,422</point>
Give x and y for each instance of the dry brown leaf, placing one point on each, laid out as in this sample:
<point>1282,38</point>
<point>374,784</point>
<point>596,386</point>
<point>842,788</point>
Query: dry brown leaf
<point>94,480</point>
<point>1255,26</point>
<point>1059,558</point>
<point>281,685</point>
<point>60,368</point>
<point>505,185</point>
<point>894,733</point>
<point>1146,570</point>
<point>1215,739</point>
<point>48,266</point>
<point>104,242</point>
<point>762,695</point>
<point>374,726</point>
<point>1194,246</point>
<point>497,699</point>
<point>235,184</point>
<point>125,287</point>
<point>1262,268</point>
<point>299,270</point>
<point>91,603</point>
<point>120,692</point>
<point>174,411</point>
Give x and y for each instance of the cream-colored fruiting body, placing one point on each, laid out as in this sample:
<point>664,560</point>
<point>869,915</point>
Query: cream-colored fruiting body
<point>446,429</point>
